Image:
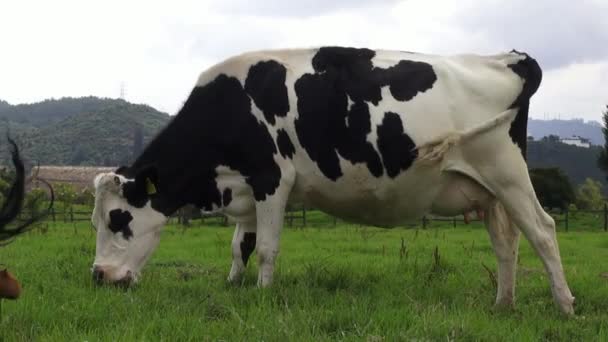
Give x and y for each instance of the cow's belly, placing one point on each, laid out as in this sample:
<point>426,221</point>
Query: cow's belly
<point>460,194</point>
<point>359,197</point>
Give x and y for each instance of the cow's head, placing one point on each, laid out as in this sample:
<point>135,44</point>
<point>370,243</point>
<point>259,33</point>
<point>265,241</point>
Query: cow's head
<point>128,227</point>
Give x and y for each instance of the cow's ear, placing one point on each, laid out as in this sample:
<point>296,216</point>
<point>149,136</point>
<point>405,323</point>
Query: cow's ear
<point>147,180</point>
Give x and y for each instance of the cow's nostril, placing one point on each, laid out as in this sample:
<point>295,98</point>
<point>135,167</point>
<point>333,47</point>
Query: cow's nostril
<point>98,275</point>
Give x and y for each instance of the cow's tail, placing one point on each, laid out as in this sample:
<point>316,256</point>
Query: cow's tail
<point>530,72</point>
<point>435,149</point>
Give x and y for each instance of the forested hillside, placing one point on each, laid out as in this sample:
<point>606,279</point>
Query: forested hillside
<point>577,162</point>
<point>82,131</point>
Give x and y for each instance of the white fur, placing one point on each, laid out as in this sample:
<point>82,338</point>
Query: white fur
<point>114,254</point>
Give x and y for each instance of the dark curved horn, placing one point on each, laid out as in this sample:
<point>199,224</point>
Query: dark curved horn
<point>14,201</point>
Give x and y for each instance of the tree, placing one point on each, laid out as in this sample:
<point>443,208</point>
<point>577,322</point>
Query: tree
<point>552,187</point>
<point>138,141</point>
<point>589,195</point>
<point>66,194</point>
<point>34,202</point>
<point>85,197</point>
<point>551,138</point>
<point>79,156</point>
<point>602,160</point>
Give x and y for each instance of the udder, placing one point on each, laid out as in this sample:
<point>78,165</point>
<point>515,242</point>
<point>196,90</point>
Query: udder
<point>461,194</point>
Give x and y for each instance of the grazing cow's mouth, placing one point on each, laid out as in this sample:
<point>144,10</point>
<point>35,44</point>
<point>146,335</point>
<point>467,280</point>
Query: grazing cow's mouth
<point>101,277</point>
<point>126,281</point>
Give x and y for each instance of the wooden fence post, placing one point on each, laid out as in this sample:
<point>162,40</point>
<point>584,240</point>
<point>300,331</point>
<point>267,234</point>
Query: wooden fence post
<point>304,216</point>
<point>566,217</point>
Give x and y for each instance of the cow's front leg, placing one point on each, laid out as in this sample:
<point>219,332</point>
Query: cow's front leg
<point>270,223</point>
<point>270,214</point>
<point>243,244</point>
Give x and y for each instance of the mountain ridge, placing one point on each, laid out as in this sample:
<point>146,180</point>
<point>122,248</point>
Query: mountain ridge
<point>79,131</point>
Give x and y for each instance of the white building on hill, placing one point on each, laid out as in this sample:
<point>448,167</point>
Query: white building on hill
<point>576,141</point>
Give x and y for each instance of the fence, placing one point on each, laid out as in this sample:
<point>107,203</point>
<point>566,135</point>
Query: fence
<point>302,217</point>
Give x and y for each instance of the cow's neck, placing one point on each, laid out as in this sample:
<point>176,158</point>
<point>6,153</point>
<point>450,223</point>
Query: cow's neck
<point>183,160</point>
<point>172,180</point>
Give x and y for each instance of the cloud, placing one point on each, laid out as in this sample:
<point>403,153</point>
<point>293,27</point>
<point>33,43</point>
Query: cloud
<point>575,91</point>
<point>557,33</point>
<point>293,9</point>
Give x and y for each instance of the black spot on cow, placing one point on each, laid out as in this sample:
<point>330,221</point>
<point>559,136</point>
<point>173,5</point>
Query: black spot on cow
<point>215,127</point>
<point>285,145</point>
<point>226,197</point>
<point>119,223</point>
<point>121,170</point>
<point>334,117</point>
<point>408,78</point>
<point>137,192</point>
<point>247,246</point>
<point>266,85</point>
<point>529,71</point>
<point>396,147</point>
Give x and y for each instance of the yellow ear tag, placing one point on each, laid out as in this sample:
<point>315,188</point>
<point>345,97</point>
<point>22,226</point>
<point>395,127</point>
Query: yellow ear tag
<point>150,187</point>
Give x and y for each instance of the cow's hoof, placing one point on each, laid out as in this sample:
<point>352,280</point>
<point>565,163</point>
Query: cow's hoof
<point>234,280</point>
<point>504,306</point>
<point>567,307</point>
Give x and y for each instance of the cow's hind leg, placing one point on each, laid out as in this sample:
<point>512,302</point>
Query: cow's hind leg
<point>507,175</point>
<point>505,241</point>
<point>243,244</point>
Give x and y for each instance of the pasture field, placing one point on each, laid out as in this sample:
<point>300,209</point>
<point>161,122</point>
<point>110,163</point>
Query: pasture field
<point>332,283</point>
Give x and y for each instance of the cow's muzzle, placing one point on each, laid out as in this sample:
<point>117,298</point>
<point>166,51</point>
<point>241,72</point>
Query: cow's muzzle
<point>101,276</point>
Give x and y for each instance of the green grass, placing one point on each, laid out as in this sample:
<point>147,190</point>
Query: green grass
<point>342,283</point>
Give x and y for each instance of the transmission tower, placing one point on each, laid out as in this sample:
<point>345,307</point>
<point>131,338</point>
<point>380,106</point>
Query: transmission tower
<point>122,90</point>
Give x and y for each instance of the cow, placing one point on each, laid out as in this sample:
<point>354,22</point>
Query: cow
<point>375,137</point>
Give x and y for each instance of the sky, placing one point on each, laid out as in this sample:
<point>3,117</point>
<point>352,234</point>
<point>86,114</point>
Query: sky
<point>155,50</point>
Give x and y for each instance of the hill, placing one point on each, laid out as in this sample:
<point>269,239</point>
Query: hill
<point>591,130</point>
<point>577,162</point>
<point>85,131</point>
<point>41,114</point>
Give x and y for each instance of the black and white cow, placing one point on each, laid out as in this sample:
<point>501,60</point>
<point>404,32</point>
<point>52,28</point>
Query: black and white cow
<point>376,137</point>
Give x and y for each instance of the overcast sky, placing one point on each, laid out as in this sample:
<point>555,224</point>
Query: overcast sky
<point>78,48</point>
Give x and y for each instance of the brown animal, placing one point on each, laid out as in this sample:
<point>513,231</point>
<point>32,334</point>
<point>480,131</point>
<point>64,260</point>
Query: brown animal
<point>9,286</point>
